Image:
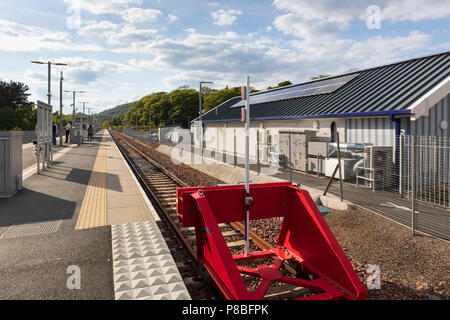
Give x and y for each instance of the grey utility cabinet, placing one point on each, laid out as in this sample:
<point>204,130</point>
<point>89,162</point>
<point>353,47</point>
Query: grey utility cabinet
<point>317,153</point>
<point>74,136</point>
<point>10,163</point>
<point>298,149</point>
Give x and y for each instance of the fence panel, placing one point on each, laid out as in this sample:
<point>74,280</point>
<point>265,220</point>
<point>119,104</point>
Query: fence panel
<point>408,184</point>
<point>429,179</point>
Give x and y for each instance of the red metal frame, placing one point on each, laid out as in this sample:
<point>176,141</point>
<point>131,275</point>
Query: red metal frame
<point>304,238</point>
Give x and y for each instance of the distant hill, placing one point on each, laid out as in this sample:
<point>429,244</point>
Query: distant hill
<point>111,113</point>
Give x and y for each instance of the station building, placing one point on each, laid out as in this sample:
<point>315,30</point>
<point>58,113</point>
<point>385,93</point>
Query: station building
<point>372,106</point>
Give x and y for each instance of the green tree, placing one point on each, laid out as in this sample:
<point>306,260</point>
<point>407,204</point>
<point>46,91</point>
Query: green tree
<point>281,84</point>
<point>165,108</point>
<point>14,95</point>
<point>14,98</point>
<point>184,104</point>
<point>320,77</point>
<point>220,96</point>
<point>10,119</point>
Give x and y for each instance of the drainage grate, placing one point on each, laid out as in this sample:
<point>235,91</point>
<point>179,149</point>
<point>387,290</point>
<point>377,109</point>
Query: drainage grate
<point>31,229</point>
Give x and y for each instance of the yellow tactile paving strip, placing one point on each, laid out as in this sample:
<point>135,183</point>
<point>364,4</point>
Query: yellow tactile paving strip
<point>125,202</point>
<point>112,196</point>
<point>93,209</point>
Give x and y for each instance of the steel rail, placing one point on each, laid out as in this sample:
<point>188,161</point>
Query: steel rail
<point>182,241</point>
<point>153,196</point>
<point>256,239</point>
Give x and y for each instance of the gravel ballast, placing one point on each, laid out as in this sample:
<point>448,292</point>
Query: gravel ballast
<point>411,267</point>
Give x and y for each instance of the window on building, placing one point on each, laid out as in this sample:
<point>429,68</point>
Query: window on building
<point>333,131</point>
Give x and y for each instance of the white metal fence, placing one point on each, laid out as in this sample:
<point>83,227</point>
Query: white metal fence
<point>432,158</point>
<point>387,177</point>
<point>425,182</point>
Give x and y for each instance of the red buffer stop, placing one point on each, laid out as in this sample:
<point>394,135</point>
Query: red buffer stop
<point>304,241</point>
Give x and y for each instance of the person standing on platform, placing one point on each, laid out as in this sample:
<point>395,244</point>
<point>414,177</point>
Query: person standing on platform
<point>67,132</point>
<point>54,132</point>
<point>90,133</point>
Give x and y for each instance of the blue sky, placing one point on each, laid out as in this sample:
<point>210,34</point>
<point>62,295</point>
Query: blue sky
<point>120,50</point>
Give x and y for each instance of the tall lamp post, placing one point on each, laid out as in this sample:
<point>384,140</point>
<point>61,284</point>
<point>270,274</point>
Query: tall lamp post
<point>126,126</point>
<point>200,112</point>
<point>60,109</point>
<point>149,119</point>
<point>49,94</point>
<point>73,112</point>
<point>188,122</point>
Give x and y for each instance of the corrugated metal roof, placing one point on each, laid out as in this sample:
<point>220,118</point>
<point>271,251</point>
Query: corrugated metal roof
<point>388,89</point>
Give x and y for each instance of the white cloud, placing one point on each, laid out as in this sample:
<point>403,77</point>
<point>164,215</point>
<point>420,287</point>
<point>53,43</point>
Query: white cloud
<point>102,6</point>
<point>312,19</point>
<point>227,57</point>
<point>415,10</point>
<point>318,25</point>
<point>91,75</point>
<point>172,18</point>
<point>445,46</point>
<point>87,71</point>
<point>137,15</point>
<point>225,17</point>
<point>80,70</point>
<point>117,34</point>
<point>99,29</point>
<point>381,50</point>
<point>18,37</point>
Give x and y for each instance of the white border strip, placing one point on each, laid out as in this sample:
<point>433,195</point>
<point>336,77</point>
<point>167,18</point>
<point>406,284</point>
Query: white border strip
<point>31,170</point>
<point>144,195</point>
<point>27,145</point>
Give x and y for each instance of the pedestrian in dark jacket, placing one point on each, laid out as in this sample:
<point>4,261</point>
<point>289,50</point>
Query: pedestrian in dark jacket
<point>90,133</point>
<point>54,132</point>
<point>67,132</point>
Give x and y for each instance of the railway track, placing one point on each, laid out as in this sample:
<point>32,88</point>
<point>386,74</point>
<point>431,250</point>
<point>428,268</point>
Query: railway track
<point>160,185</point>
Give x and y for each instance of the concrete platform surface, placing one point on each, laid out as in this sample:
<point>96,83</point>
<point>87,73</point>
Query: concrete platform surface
<point>29,159</point>
<point>55,235</point>
<point>38,242</point>
<point>113,195</point>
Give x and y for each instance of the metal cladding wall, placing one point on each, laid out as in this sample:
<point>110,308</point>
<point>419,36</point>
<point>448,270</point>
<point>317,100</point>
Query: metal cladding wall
<point>378,131</point>
<point>432,147</point>
<point>221,137</point>
<point>381,131</point>
<point>429,126</point>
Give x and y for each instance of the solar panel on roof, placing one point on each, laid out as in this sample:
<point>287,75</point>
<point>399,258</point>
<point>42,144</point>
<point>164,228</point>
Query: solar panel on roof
<point>307,89</point>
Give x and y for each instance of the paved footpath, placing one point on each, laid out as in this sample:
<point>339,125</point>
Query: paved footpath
<point>35,266</point>
<point>61,222</point>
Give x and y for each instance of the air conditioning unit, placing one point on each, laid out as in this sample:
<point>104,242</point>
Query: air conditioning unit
<point>380,160</point>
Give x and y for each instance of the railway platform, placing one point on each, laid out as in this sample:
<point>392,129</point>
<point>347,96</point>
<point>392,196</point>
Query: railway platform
<point>84,229</point>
